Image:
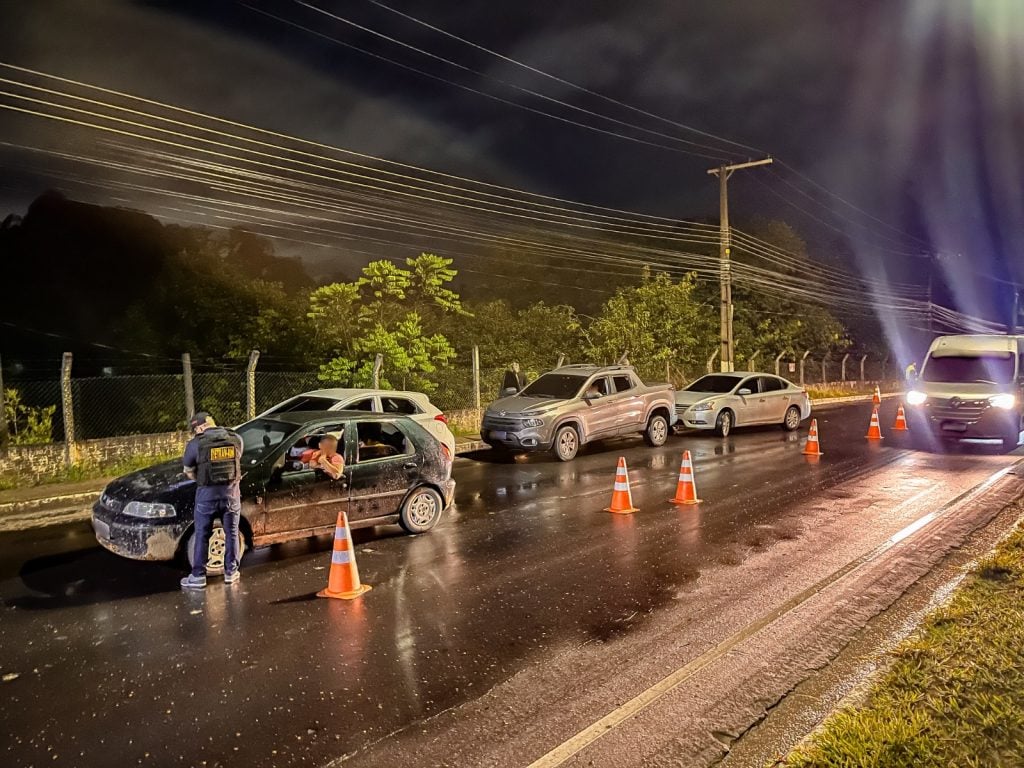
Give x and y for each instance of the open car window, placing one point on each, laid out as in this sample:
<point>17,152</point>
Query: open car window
<point>296,458</point>
<point>380,440</point>
<point>622,383</point>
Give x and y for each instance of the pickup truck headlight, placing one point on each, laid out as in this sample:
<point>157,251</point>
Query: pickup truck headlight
<point>1004,401</point>
<point>915,397</point>
<point>146,509</point>
<point>703,406</point>
<point>533,422</point>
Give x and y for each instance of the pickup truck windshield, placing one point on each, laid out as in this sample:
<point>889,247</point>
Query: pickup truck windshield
<point>970,369</point>
<point>714,383</point>
<point>559,386</point>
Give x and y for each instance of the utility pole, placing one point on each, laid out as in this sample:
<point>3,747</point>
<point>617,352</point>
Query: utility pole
<point>725,254</point>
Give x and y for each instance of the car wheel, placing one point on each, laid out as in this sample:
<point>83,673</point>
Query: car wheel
<point>1011,440</point>
<point>723,424</point>
<point>215,550</point>
<point>792,421</point>
<point>421,510</point>
<point>657,431</point>
<point>567,443</point>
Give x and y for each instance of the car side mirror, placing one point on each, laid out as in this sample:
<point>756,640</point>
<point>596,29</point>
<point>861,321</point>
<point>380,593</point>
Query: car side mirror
<point>509,392</point>
<point>744,392</point>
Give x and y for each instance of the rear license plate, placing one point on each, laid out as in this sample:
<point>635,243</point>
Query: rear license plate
<point>499,435</point>
<point>952,426</point>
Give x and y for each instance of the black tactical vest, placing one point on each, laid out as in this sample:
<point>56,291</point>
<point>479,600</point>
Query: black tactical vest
<point>219,458</point>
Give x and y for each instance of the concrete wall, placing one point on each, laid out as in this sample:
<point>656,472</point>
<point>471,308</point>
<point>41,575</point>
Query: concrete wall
<point>35,461</point>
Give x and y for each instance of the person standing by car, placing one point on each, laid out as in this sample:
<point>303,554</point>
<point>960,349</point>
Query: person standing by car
<point>213,459</point>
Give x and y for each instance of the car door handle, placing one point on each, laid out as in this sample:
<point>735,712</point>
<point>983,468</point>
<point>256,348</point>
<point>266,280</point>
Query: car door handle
<point>410,465</point>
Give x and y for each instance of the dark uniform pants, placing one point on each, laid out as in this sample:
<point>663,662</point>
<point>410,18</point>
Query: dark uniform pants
<point>228,510</point>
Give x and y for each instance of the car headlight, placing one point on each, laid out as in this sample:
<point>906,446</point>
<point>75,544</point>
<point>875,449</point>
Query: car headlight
<point>1004,401</point>
<point>703,407</point>
<point>916,397</point>
<point>533,423</point>
<point>147,509</point>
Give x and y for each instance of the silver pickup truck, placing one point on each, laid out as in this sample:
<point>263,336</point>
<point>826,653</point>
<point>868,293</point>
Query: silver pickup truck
<point>576,404</point>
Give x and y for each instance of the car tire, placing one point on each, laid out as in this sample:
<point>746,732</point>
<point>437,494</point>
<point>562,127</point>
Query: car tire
<point>656,432</point>
<point>215,550</point>
<point>567,443</point>
<point>723,424</point>
<point>1011,440</point>
<point>421,511</point>
<point>791,422</point>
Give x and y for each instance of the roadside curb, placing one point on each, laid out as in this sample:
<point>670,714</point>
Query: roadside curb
<point>851,399</point>
<point>469,446</point>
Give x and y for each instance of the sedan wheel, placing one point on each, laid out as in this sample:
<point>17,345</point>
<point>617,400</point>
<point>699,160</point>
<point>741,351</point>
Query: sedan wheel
<point>567,444</point>
<point>215,550</point>
<point>657,431</point>
<point>421,511</point>
<point>723,425</point>
<point>792,420</point>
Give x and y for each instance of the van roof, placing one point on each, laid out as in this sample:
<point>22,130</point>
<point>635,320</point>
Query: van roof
<point>945,346</point>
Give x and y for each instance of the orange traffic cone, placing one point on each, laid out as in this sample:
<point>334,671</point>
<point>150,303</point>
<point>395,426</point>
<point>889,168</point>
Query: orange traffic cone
<point>343,581</point>
<point>874,429</point>
<point>686,489</point>
<point>901,420</point>
<point>812,447</point>
<point>877,397</point>
<point>622,498</point>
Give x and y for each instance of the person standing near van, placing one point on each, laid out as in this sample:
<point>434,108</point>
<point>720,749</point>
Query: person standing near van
<point>213,459</point>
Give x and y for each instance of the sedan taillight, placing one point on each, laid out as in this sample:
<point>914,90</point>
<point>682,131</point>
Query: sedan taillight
<point>442,418</point>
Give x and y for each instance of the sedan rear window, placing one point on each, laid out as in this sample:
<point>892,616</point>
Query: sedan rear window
<point>305,403</point>
<point>560,386</point>
<point>970,369</point>
<point>714,383</point>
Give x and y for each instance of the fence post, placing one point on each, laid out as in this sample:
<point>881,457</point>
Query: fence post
<point>824,363</point>
<point>711,359</point>
<point>186,375</point>
<point>68,406</point>
<point>865,357</point>
<point>476,377</point>
<point>378,363</point>
<point>753,357</point>
<point>845,358</point>
<point>5,437</point>
<point>778,359</point>
<point>561,361</point>
<point>250,384</point>
<point>803,360</point>
<point>668,372</point>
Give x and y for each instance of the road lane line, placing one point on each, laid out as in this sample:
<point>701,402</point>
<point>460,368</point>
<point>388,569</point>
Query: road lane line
<point>576,744</point>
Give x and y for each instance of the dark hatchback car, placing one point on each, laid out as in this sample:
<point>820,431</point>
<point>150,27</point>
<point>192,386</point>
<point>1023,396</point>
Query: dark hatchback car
<point>395,472</point>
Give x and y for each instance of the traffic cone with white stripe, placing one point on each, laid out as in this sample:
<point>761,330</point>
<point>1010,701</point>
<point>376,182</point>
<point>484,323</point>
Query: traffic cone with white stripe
<point>874,429</point>
<point>901,420</point>
<point>876,398</point>
<point>622,498</point>
<point>686,489</point>
<point>812,447</point>
<point>343,581</point>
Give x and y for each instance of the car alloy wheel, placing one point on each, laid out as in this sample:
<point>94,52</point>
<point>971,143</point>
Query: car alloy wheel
<point>724,426</point>
<point>215,550</point>
<point>657,431</point>
<point>792,421</point>
<point>567,443</point>
<point>421,511</point>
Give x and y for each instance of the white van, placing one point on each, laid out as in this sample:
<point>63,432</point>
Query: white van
<point>971,387</point>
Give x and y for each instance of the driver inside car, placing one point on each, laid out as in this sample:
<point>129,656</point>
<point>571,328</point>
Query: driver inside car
<point>326,458</point>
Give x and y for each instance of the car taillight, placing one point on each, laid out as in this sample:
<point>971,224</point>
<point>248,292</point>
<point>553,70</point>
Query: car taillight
<point>442,418</point>
<point>447,451</point>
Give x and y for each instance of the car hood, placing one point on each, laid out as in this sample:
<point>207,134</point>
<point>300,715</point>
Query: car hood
<point>687,398</point>
<point>517,404</point>
<point>156,483</point>
<point>941,389</point>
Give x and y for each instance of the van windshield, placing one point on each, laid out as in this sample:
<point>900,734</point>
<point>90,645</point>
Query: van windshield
<point>993,368</point>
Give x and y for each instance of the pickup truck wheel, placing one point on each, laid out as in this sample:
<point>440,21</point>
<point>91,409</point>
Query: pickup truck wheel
<point>723,424</point>
<point>792,421</point>
<point>567,443</point>
<point>657,431</point>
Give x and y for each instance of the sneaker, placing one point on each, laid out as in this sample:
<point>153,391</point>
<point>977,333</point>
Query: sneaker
<point>193,582</point>
<point>231,578</point>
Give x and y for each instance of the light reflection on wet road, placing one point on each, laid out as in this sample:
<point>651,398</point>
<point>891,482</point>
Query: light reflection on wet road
<point>111,656</point>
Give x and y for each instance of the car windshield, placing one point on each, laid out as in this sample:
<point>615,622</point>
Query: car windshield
<point>560,386</point>
<point>714,383</point>
<point>261,436</point>
<point>994,368</point>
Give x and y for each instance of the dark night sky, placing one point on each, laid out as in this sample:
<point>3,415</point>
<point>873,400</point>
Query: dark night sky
<point>912,110</point>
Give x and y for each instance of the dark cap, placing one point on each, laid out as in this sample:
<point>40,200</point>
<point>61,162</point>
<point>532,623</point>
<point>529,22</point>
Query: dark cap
<point>199,419</point>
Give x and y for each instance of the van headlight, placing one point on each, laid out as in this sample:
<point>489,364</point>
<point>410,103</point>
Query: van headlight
<point>1004,401</point>
<point>147,509</point>
<point>916,397</point>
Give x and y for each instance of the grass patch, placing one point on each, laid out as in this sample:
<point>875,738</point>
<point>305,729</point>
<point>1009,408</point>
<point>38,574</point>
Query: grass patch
<point>953,694</point>
<point>820,393</point>
<point>82,472</point>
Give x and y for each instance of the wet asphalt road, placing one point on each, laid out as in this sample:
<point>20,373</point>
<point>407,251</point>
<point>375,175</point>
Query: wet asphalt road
<point>112,659</point>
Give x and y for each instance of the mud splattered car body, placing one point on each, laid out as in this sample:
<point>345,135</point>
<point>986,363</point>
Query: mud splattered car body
<point>395,472</point>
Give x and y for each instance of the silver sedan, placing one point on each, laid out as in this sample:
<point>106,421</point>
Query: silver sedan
<point>721,401</point>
